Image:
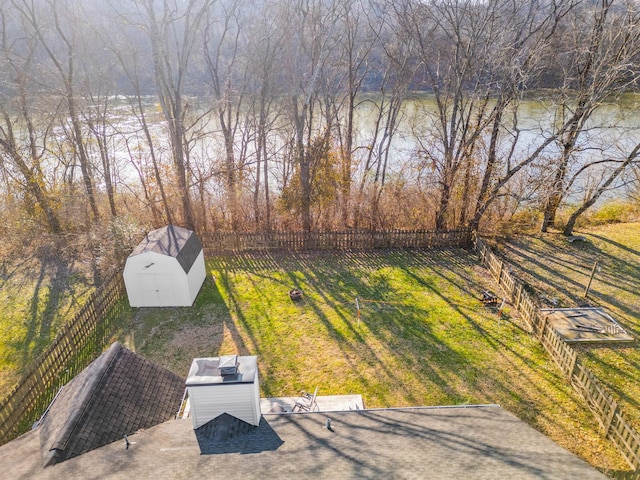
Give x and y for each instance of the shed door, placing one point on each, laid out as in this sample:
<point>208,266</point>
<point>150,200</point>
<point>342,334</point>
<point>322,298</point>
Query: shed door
<point>158,289</point>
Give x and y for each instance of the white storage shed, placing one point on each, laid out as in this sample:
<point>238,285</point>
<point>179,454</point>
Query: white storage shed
<point>166,269</point>
<point>227,384</point>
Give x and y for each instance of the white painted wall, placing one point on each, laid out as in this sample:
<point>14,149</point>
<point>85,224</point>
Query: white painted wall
<point>241,400</point>
<point>196,277</point>
<point>156,280</point>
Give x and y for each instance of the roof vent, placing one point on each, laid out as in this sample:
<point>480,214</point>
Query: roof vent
<point>228,365</point>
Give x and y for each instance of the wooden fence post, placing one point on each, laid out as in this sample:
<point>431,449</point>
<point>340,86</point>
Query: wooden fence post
<point>542,327</point>
<point>608,420</point>
<point>572,365</point>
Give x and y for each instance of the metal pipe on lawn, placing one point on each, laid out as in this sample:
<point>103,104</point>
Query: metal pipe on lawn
<point>593,272</point>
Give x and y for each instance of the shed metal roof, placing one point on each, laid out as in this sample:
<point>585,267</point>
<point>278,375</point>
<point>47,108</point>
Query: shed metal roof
<point>173,241</point>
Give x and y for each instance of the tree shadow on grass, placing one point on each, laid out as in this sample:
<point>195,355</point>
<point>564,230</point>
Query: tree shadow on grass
<point>331,283</point>
<point>404,352</point>
<point>615,283</point>
<point>549,263</point>
<point>54,286</point>
<point>615,287</point>
<point>509,350</point>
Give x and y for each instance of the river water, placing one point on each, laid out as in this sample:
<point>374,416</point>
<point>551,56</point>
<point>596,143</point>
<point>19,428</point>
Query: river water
<point>610,133</point>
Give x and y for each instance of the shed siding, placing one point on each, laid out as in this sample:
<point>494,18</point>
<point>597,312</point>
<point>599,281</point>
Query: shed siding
<point>156,280</point>
<point>196,276</point>
<point>166,269</point>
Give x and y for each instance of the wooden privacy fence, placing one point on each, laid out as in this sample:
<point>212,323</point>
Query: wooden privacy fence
<point>77,344</point>
<point>604,407</point>
<point>625,475</point>
<point>222,243</point>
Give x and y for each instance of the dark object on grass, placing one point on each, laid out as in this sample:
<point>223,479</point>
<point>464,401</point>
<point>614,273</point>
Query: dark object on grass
<point>489,298</point>
<point>295,294</point>
<point>576,238</point>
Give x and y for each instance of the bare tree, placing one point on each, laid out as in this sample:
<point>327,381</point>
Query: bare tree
<point>223,38</point>
<point>603,186</point>
<point>60,44</point>
<point>355,42</point>
<point>122,38</point>
<point>22,140</point>
<point>174,28</point>
<point>266,44</point>
<point>477,59</point>
<point>308,51</point>
<point>392,61</point>
<point>600,60</point>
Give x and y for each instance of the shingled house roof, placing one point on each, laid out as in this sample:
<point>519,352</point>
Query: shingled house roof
<point>484,442</point>
<point>172,241</point>
<point>117,394</point>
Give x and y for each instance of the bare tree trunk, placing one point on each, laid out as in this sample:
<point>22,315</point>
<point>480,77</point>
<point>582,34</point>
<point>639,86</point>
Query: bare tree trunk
<point>33,184</point>
<point>589,202</point>
<point>303,160</point>
<point>155,212</point>
<point>154,160</point>
<point>67,76</point>
<point>172,42</point>
<point>18,69</point>
<point>607,42</point>
<point>85,166</point>
<point>100,135</point>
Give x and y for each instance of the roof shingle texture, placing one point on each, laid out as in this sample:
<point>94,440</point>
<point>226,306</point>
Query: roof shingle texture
<point>417,443</point>
<point>119,393</point>
<point>172,241</point>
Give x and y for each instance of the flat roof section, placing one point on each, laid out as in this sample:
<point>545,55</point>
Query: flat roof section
<point>207,371</point>
<point>585,325</point>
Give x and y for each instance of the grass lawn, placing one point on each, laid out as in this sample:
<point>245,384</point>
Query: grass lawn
<point>39,291</point>
<point>423,337</point>
<point>561,269</point>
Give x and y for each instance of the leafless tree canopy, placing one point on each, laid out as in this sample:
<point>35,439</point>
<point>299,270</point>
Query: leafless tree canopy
<point>314,114</point>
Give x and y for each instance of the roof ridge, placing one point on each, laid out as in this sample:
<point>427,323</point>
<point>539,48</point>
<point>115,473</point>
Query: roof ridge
<point>86,396</point>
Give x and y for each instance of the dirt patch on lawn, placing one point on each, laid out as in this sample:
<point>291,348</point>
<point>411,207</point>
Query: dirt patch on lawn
<point>183,345</point>
<point>201,341</point>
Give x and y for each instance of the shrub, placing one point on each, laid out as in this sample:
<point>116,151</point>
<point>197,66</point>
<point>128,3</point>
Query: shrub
<point>614,211</point>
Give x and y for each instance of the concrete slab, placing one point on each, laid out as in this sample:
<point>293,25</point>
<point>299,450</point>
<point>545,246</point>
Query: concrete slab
<point>326,403</point>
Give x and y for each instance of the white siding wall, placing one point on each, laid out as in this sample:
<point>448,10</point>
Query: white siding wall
<point>155,280</point>
<point>196,277</point>
<point>238,399</point>
<point>256,399</point>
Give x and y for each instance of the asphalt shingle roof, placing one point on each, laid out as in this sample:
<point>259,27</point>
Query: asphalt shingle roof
<point>172,241</point>
<point>484,442</point>
<point>117,394</point>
